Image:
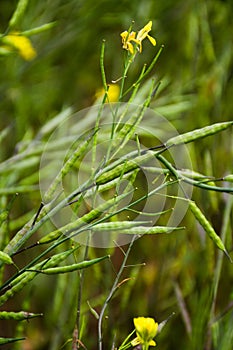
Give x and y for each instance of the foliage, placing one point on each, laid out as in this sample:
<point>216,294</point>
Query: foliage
<point>56,64</point>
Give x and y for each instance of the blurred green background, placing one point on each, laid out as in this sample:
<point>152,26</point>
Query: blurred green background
<point>196,74</point>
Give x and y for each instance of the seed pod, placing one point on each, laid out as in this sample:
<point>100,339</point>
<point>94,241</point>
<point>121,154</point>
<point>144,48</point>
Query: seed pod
<point>66,167</point>
<point>18,316</point>
<point>112,183</point>
<point>142,230</point>
<point>92,310</point>
<point>57,258</point>
<point>117,225</point>
<point>74,267</point>
<point>19,12</point>
<point>128,128</point>
<point>85,219</point>
<point>9,340</point>
<point>24,278</point>
<point>198,133</point>
<point>47,263</point>
<point>207,227</point>
<point>228,178</point>
<point>3,216</point>
<point>5,258</point>
<point>127,166</point>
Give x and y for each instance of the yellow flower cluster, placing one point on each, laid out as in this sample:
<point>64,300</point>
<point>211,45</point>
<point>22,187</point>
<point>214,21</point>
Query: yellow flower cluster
<point>20,43</point>
<point>131,41</point>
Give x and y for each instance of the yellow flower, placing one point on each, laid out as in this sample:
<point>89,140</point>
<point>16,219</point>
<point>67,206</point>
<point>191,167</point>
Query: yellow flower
<point>146,329</point>
<point>143,33</point>
<point>112,94</point>
<point>126,41</point>
<point>21,44</point>
<point>129,38</point>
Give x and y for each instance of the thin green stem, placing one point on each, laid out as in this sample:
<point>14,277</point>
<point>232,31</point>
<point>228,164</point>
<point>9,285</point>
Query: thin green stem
<point>218,269</point>
<point>103,75</point>
<point>127,65</point>
<point>149,69</point>
<point>111,293</point>
<point>126,344</point>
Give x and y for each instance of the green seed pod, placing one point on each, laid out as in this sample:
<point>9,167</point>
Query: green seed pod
<point>57,258</point>
<point>18,316</point>
<point>3,216</point>
<point>207,227</point>
<point>52,236</point>
<point>66,167</point>
<point>92,310</point>
<point>19,12</point>
<point>117,225</point>
<point>47,263</point>
<point>127,166</point>
<point>108,185</point>
<point>116,172</point>
<point>198,133</point>
<point>128,128</point>
<point>40,29</point>
<point>74,267</point>
<point>228,178</point>
<point>85,219</point>
<point>9,340</point>
<point>24,278</point>
<point>5,258</point>
<point>142,230</point>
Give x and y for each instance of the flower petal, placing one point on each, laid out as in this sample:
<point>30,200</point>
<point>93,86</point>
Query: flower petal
<point>22,44</point>
<point>130,48</point>
<point>148,26</point>
<point>135,342</point>
<point>142,34</point>
<point>152,343</point>
<point>146,328</point>
<point>152,40</point>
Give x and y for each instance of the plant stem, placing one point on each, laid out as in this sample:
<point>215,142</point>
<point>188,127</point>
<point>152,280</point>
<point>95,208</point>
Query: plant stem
<point>225,225</point>
<point>112,291</point>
